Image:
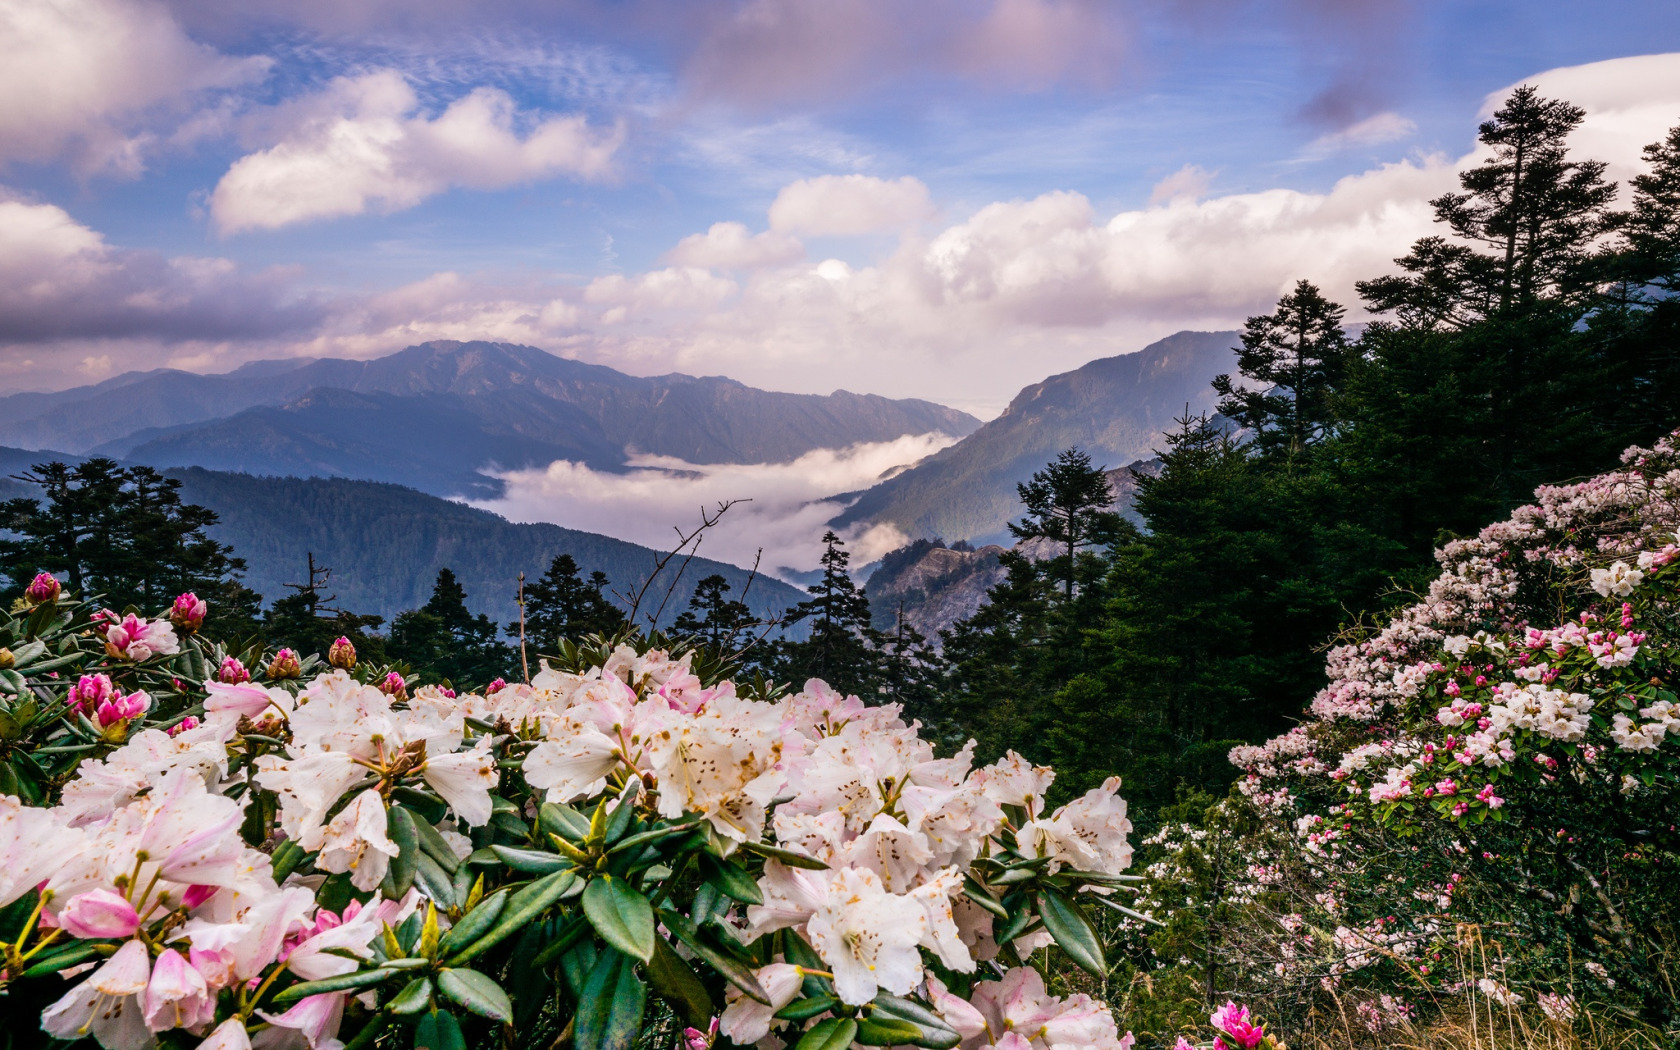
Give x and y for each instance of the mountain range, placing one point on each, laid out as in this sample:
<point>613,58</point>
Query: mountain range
<point>1115,408</point>
<point>435,416</point>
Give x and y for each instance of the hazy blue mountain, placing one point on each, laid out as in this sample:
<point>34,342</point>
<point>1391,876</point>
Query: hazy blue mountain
<point>426,412</point>
<point>1115,408</point>
<point>386,543</point>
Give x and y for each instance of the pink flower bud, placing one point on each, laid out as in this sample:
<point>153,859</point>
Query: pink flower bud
<point>285,665</point>
<point>497,686</point>
<point>99,915</point>
<point>42,589</point>
<point>342,655</point>
<point>197,895</point>
<point>90,691</point>
<point>232,672</point>
<point>188,612</point>
<point>121,709</point>
<point>394,686</point>
<point>189,722</point>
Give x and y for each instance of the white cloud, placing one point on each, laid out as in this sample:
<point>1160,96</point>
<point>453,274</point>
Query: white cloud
<point>1372,131</point>
<point>1189,182</point>
<point>362,145</point>
<point>731,246</point>
<point>79,76</point>
<point>789,501</point>
<point>850,204</point>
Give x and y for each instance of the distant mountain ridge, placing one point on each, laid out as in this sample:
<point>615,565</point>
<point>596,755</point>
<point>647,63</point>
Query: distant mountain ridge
<point>1115,408</point>
<point>431,415</point>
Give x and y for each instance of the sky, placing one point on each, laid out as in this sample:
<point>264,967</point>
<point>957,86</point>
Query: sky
<point>947,199</point>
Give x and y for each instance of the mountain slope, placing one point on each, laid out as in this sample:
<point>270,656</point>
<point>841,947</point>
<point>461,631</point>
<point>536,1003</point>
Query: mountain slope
<point>1115,408</point>
<point>385,545</point>
<point>523,389</point>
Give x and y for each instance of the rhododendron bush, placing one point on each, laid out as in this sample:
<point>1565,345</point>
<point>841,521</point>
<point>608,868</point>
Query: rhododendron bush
<point>201,847</point>
<point>1501,762</point>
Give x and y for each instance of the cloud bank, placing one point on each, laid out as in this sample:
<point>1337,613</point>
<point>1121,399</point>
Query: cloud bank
<point>790,502</point>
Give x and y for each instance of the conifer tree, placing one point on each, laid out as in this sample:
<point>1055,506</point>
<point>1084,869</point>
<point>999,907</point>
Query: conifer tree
<point>840,648</point>
<point>306,620</point>
<point>445,639</point>
<point>713,617</point>
<point>1649,248</point>
<point>1524,224</point>
<point>1069,503</point>
<point>1294,359</point>
<point>123,533</point>
<point>564,605</point>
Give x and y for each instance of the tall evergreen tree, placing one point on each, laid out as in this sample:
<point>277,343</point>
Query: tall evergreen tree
<point>125,534</point>
<point>306,620</point>
<point>713,617</point>
<point>1525,224</point>
<point>1648,252</point>
<point>1294,360</point>
<point>564,605</point>
<point>840,648</point>
<point>443,638</point>
<point>1070,503</point>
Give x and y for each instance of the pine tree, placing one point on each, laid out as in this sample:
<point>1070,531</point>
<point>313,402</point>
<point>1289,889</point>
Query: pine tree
<point>1648,252</point>
<point>308,622</point>
<point>1295,359</point>
<point>444,639</point>
<point>123,533</point>
<point>564,605</point>
<point>841,647</point>
<point>1532,211</point>
<point>714,618</point>
<point>1070,504</point>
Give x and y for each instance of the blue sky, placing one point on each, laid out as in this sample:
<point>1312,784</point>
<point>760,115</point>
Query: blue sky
<point>946,199</point>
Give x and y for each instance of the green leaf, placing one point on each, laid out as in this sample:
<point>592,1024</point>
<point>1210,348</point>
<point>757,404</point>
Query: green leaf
<point>977,893</point>
<point>805,1009</point>
<point>642,838</point>
<point>343,982</point>
<point>733,970</point>
<point>434,881</point>
<point>474,924</point>
<point>935,1033</point>
<point>412,999</point>
<point>836,1033</point>
<point>523,908</point>
<point>63,958</point>
<point>400,875</point>
<point>575,929</point>
<point>610,1009</point>
<point>1067,923</point>
<point>677,984</point>
<point>476,992</point>
<point>621,915</point>
<point>887,1031</point>
<point>558,819</point>
<point>731,879</point>
<point>435,845</point>
<point>618,822</point>
<point>530,860</point>
<point>439,1030</point>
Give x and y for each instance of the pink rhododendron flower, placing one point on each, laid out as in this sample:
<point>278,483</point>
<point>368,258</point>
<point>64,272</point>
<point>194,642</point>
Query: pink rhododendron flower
<point>132,638</point>
<point>188,612</point>
<point>42,589</point>
<point>232,672</point>
<point>120,710</point>
<point>177,995</point>
<point>90,691</point>
<point>1234,1021</point>
<point>99,915</point>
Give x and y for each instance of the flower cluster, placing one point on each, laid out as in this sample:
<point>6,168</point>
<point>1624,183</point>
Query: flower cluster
<point>329,851</point>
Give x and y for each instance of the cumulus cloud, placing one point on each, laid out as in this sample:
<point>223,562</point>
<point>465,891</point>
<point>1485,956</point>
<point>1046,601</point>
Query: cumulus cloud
<point>80,76</point>
<point>790,502</point>
<point>841,205</point>
<point>1189,182</point>
<point>731,246</point>
<point>60,280</point>
<point>361,144</point>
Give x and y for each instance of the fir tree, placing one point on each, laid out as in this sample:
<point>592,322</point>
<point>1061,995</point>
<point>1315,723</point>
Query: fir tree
<point>1533,212</point>
<point>1069,503</point>
<point>1294,359</point>
<point>840,648</point>
<point>564,605</point>
<point>123,533</point>
<point>713,618</point>
<point>442,637</point>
